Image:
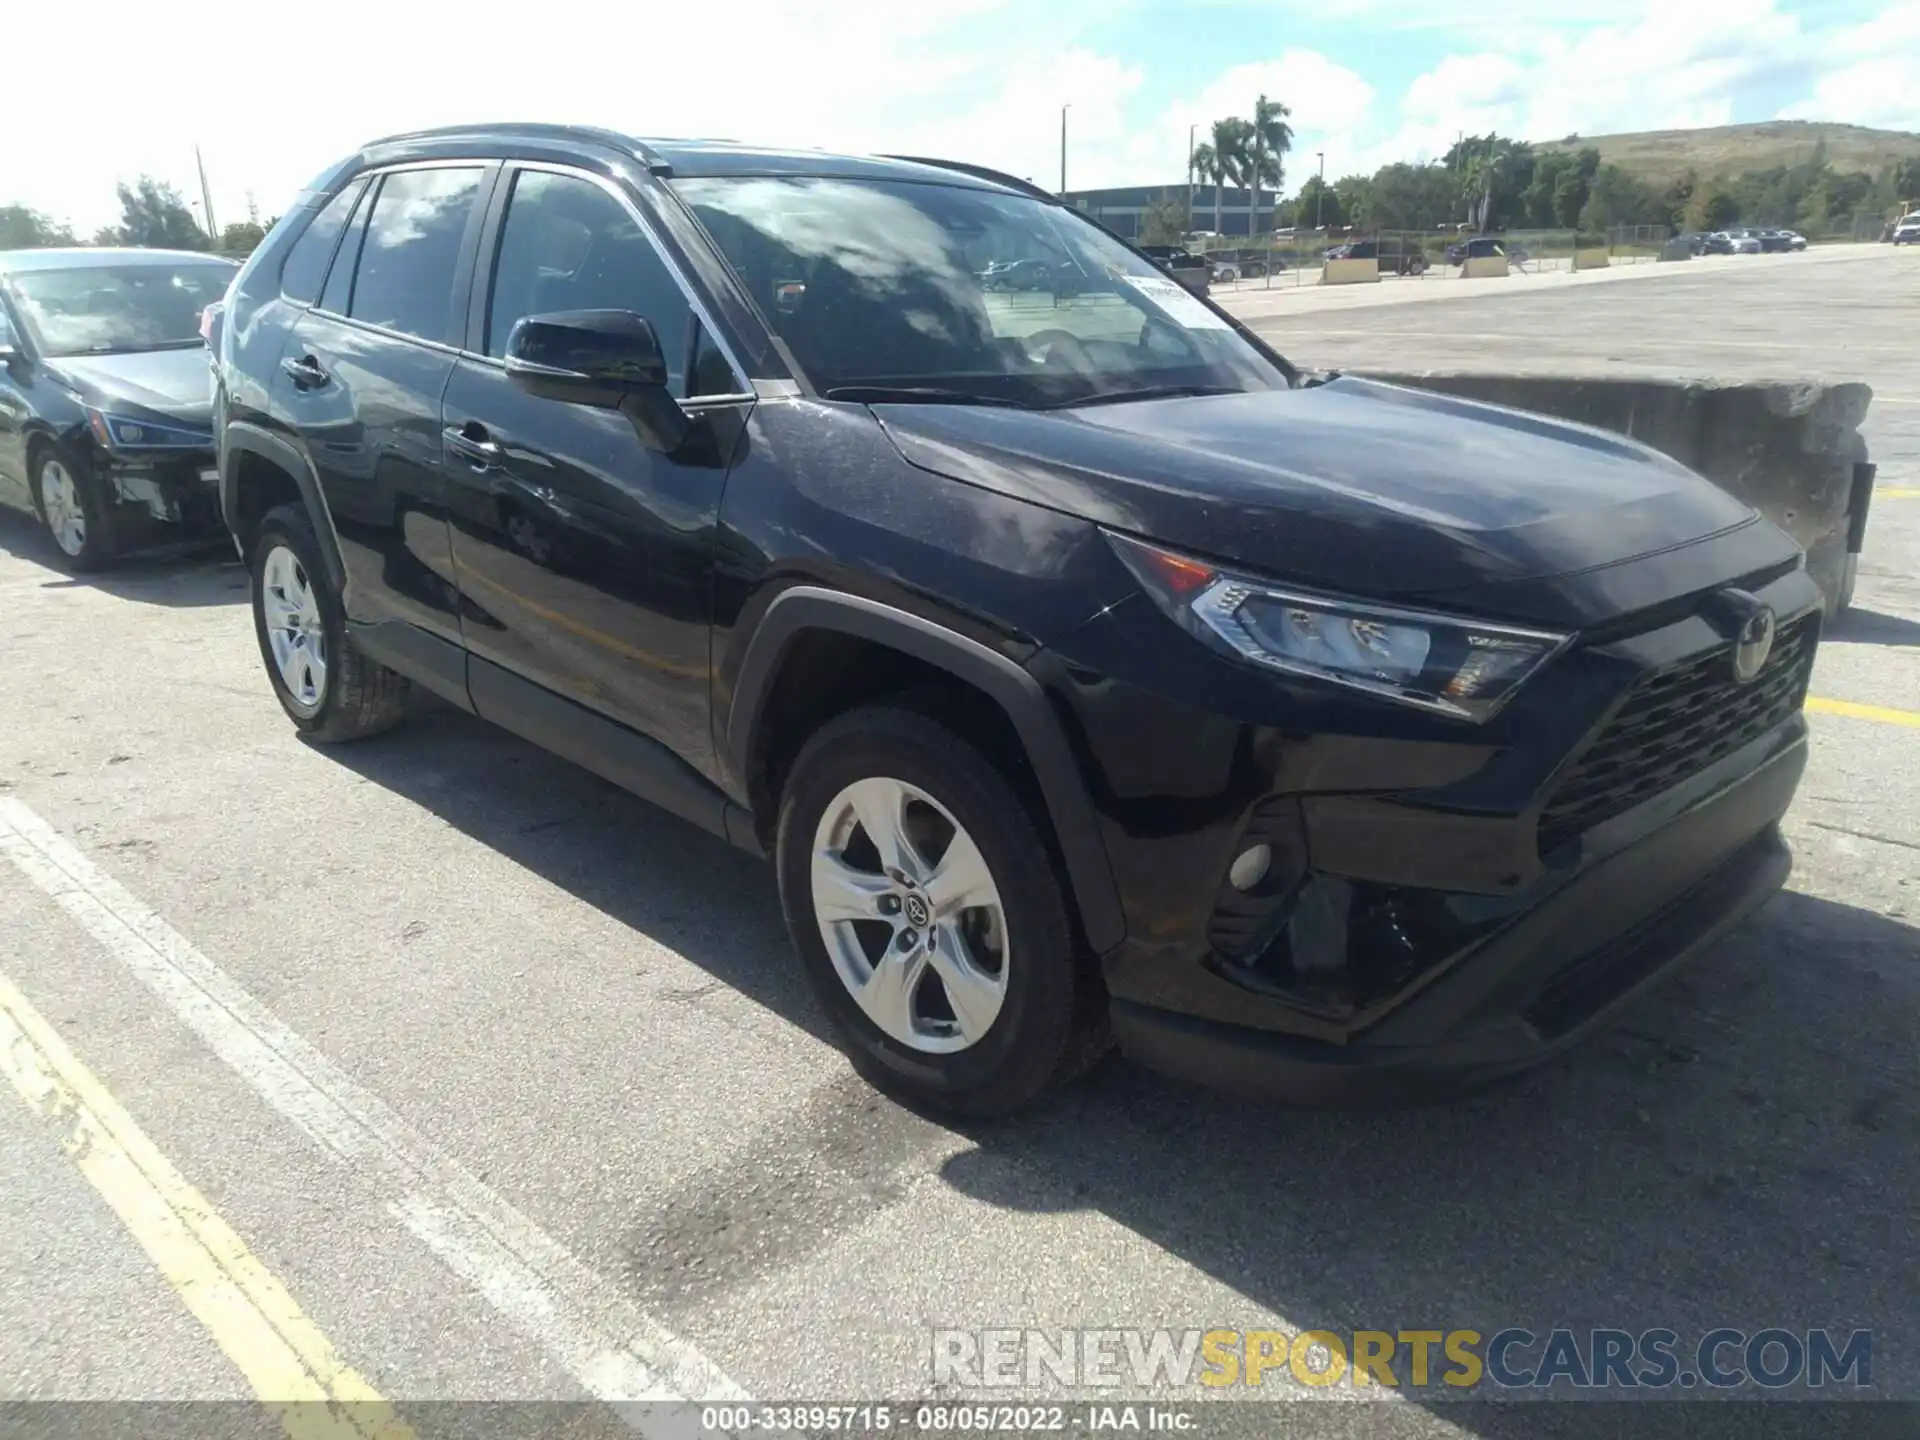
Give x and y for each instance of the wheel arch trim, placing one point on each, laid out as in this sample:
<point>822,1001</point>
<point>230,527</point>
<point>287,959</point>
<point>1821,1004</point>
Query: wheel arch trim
<point>241,437</point>
<point>1070,813</point>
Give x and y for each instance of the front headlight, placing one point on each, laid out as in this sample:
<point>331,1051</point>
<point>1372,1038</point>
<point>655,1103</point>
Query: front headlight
<point>121,432</point>
<point>1444,663</point>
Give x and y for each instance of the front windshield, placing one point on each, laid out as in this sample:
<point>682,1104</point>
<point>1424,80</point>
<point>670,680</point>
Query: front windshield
<point>100,309</point>
<point>880,285</point>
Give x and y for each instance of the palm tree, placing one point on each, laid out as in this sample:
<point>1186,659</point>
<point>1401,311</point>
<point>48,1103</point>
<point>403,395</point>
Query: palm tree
<point>1223,160</point>
<point>1270,139</point>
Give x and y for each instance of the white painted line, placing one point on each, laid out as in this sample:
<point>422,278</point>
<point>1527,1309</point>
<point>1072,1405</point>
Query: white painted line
<point>614,1351</point>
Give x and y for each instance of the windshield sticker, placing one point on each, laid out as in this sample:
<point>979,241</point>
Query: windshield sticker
<point>1180,306</point>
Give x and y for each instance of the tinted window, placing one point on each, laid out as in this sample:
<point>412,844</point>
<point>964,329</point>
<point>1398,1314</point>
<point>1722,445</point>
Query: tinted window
<point>569,245</point>
<point>404,280</point>
<point>340,279</point>
<point>306,265</point>
<point>887,284</point>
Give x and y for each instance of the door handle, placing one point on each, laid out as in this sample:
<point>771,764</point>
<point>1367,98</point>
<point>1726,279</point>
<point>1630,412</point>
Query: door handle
<point>304,372</point>
<point>471,444</point>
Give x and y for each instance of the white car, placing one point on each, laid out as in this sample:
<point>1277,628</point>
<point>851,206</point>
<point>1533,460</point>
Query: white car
<point>1799,240</point>
<point>1907,231</point>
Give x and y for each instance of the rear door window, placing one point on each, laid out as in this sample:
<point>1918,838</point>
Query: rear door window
<point>306,264</point>
<point>408,257</point>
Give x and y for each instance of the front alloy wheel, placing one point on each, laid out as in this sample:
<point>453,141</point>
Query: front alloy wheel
<point>66,515</point>
<point>290,615</point>
<point>910,916</point>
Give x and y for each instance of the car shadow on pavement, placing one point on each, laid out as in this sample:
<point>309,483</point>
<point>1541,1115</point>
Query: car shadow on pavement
<point>200,572</point>
<point>1868,627</point>
<point>1740,1149</point>
<point>653,873</point>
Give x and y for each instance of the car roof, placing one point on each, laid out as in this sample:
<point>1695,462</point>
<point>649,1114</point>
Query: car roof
<point>696,157</point>
<point>82,258</point>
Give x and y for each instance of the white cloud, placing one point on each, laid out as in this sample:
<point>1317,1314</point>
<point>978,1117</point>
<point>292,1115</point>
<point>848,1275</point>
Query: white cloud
<point>1877,76</point>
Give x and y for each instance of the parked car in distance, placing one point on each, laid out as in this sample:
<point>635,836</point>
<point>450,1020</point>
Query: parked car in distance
<point>1906,230</point>
<point>1086,671</point>
<point>1481,247</point>
<point>1191,270</point>
<point>1743,242</point>
<point>1795,240</point>
<point>1716,242</point>
<point>106,435</point>
<point>1775,242</point>
<point>1397,254</point>
<point>1028,274</point>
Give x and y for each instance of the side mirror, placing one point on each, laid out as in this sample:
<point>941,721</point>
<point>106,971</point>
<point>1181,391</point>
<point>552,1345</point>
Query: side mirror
<point>609,359</point>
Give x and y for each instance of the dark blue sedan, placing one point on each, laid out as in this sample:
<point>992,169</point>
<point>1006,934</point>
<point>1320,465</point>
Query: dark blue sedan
<point>106,397</point>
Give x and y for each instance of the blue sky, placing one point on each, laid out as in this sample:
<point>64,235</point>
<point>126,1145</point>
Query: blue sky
<point>274,98</point>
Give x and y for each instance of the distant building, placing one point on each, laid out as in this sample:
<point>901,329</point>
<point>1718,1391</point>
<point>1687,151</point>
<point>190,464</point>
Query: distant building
<point>1120,208</point>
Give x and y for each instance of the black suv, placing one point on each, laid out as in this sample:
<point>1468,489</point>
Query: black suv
<point>1084,667</point>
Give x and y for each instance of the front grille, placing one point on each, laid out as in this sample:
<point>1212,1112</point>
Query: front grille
<point>1674,724</point>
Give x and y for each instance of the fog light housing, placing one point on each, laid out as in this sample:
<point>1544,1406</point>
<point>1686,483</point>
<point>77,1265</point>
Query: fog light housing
<point>1250,867</point>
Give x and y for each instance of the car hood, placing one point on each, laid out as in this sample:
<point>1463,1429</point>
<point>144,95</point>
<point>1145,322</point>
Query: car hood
<point>1351,485</point>
<point>177,384</point>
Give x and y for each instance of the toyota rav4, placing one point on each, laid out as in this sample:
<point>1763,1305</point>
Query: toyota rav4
<point>1086,670</point>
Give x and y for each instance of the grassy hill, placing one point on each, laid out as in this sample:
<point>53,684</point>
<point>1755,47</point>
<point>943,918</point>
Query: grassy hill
<point>1657,156</point>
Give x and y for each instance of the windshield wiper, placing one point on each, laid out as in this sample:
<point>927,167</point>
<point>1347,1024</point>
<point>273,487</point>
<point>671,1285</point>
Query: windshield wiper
<point>917,395</point>
<point>1148,392</point>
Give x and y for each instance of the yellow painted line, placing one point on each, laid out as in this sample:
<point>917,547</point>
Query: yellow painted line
<point>1896,492</point>
<point>288,1363</point>
<point>1885,714</point>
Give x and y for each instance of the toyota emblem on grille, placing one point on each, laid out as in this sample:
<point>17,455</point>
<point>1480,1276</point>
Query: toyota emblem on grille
<point>1753,644</point>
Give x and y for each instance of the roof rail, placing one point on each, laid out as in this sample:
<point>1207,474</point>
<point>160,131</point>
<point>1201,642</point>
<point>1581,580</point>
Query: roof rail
<point>980,172</point>
<point>532,130</point>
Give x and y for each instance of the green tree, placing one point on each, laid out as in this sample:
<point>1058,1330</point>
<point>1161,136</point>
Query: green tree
<point>25,229</point>
<point>1409,197</point>
<point>1356,198</point>
<point>1163,222</point>
<point>240,238</point>
<point>1225,158</point>
<point>153,214</point>
<point>1269,140</point>
<point>1319,204</point>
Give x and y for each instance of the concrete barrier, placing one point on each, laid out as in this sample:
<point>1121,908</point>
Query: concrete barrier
<point>1350,272</point>
<point>1792,450</point>
<point>1484,267</point>
<point>1590,260</point>
<point>1676,250</point>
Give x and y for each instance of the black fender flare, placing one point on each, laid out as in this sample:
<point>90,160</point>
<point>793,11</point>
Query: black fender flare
<point>241,437</point>
<point>1070,812</point>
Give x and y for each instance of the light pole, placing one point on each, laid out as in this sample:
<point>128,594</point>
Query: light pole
<point>1320,194</point>
<point>1063,146</point>
<point>1190,132</point>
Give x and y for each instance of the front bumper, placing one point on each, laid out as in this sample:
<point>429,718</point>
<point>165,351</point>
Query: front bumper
<point>1443,900</point>
<point>169,495</point>
<point>1535,987</point>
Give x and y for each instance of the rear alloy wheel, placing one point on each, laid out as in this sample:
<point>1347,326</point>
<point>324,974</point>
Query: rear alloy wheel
<point>931,916</point>
<point>72,509</point>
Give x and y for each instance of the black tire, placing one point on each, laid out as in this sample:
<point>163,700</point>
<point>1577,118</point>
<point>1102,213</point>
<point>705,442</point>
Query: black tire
<point>101,545</point>
<point>1053,1021</point>
<point>360,697</point>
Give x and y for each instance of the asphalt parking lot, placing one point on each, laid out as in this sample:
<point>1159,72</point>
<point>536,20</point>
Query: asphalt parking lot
<point>509,1086</point>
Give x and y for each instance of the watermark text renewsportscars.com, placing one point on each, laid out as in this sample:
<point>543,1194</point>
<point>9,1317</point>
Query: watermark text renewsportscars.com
<point>1456,1361</point>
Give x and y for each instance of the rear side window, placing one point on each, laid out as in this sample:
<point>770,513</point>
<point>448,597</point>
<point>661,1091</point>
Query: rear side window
<point>404,280</point>
<point>306,264</point>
